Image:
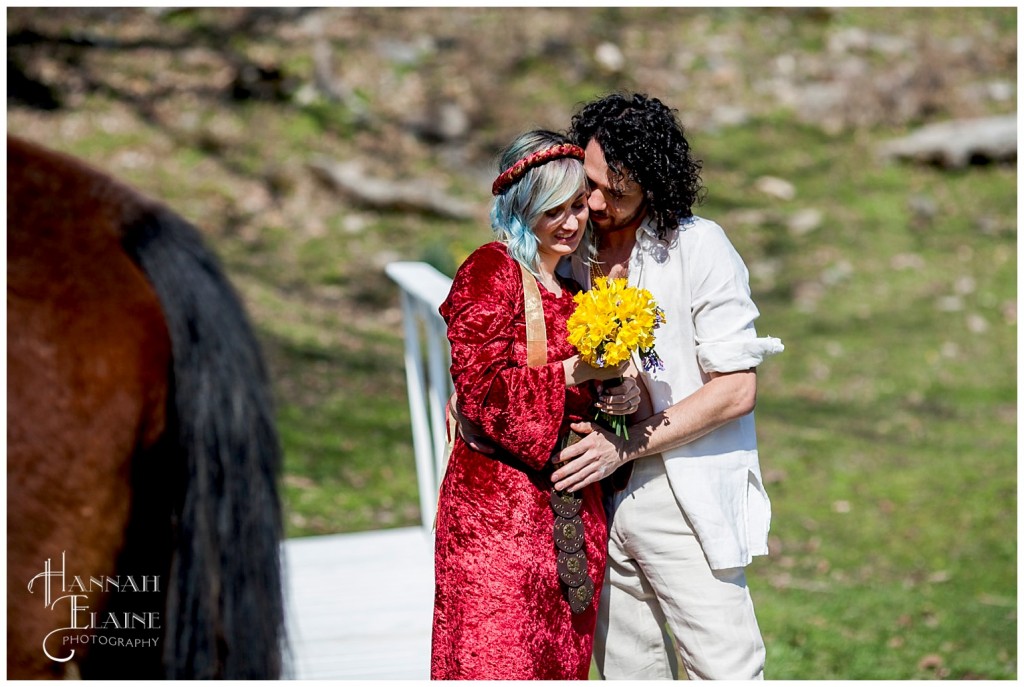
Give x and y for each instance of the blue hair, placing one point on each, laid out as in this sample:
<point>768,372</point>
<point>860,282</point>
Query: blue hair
<point>516,211</point>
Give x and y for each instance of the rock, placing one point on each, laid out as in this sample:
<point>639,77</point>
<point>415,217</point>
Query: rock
<point>752,217</point>
<point>442,120</point>
<point>776,187</point>
<point>976,323</point>
<point>803,222</point>
<point>350,179</point>
<point>610,57</point>
<point>837,273</point>
<point>1000,91</point>
<point>958,143</point>
<point>406,53</point>
<point>856,39</point>
<point>907,261</point>
<point>922,207</point>
<point>728,115</point>
<point>262,82</point>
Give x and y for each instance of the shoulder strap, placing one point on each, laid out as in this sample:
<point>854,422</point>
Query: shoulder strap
<point>536,333</point>
<point>536,355</point>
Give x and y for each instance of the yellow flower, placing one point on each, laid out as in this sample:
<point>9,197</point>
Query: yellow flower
<point>612,320</point>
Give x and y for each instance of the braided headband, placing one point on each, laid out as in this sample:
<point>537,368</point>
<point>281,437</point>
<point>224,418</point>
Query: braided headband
<point>517,170</point>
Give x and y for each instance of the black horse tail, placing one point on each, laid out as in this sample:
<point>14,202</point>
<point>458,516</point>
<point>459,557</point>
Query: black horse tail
<point>225,609</point>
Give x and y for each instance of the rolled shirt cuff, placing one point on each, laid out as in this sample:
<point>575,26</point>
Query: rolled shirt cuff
<point>731,356</point>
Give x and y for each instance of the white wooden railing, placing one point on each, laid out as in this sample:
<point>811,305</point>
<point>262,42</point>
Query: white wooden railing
<point>427,361</point>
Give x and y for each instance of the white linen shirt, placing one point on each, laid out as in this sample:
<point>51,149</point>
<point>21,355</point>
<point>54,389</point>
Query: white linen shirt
<point>700,281</point>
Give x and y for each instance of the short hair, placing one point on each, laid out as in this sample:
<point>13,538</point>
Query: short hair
<point>642,139</point>
<point>515,211</point>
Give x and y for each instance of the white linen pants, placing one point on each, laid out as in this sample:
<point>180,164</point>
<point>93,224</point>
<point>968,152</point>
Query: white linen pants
<point>657,574</point>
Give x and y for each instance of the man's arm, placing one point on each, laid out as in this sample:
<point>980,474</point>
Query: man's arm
<point>724,398</point>
<point>622,399</point>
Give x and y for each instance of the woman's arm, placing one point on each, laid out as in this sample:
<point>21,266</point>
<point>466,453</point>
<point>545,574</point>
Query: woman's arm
<point>519,409</point>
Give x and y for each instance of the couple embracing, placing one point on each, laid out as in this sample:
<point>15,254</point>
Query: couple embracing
<point>549,550</point>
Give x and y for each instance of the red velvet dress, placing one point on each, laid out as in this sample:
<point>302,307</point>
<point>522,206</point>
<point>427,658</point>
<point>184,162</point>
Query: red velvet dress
<point>499,609</point>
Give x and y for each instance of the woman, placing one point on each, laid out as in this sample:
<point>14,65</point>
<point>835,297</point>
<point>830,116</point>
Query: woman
<point>512,598</point>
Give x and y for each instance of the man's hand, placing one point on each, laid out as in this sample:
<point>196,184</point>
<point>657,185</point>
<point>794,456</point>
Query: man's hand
<point>589,460</point>
<point>472,434</point>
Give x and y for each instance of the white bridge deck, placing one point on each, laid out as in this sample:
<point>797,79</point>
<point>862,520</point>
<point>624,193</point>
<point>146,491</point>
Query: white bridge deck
<point>359,606</point>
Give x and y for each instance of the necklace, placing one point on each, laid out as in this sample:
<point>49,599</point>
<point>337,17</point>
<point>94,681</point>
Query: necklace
<point>596,271</point>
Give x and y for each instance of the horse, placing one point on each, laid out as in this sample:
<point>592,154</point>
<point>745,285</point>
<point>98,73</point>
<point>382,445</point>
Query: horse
<point>143,515</point>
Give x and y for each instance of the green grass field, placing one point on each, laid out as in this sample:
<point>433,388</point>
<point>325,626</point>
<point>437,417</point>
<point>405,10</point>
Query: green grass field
<point>890,425</point>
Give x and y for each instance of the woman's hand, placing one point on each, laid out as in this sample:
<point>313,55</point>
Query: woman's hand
<point>623,399</point>
<point>577,371</point>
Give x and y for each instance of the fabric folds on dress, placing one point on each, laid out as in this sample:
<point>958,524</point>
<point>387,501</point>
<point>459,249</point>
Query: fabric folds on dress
<point>500,612</point>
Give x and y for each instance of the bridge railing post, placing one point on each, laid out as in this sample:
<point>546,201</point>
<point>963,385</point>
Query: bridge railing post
<point>427,361</point>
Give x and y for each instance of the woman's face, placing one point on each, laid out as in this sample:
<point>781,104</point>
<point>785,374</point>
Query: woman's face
<point>560,229</point>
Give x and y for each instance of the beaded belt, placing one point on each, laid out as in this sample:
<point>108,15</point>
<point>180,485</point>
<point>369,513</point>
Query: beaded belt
<point>570,544</point>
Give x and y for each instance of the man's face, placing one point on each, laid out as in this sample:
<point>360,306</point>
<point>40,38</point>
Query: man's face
<point>614,204</point>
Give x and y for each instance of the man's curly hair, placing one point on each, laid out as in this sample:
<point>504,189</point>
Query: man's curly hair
<point>643,139</point>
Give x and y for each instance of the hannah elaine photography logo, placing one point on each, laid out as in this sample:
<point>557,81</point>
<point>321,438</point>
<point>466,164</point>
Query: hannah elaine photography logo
<point>68,596</point>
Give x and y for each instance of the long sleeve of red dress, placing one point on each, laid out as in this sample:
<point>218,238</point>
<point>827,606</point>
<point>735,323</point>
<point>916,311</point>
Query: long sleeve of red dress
<point>520,408</point>
<point>499,609</point>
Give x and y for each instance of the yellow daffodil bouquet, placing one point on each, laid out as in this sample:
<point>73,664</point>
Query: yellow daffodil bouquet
<point>610,322</point>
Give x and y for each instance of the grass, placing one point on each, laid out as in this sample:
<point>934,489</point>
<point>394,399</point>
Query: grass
<point>888,425</point>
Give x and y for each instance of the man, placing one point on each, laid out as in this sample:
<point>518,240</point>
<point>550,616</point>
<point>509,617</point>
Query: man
<point>694,510</point>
